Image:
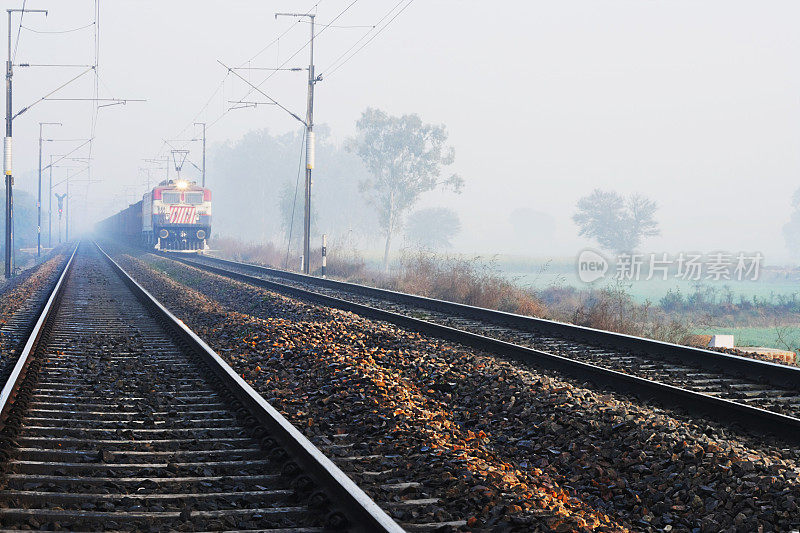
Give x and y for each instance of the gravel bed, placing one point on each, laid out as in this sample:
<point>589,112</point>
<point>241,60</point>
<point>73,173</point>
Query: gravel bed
<point>502,445</point>
<point>741,389</point>
<point>20,298</point>
<point>106,432</point>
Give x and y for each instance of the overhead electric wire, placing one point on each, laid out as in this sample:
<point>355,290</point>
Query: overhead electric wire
<point>187,155</point>
<point>208,103</point>
<point>19,30</point>
<point>336,25</point>
<point>254,87</point>
<point>276,40</point>
<point>294,202</point>
<point>337,17</point>
<point>340,65</point>
<point>45,97</point>
<point>366,34</point>
<point>51,65</point>
<point>97,105</point>
<point>77,173</point>
<point>68,154</point>
<point>57,31</point>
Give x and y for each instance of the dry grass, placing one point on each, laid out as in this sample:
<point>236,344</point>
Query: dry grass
<point>612,308</point>
<point>262,254</point>
<point>479,283</point>
<point>467,281</point>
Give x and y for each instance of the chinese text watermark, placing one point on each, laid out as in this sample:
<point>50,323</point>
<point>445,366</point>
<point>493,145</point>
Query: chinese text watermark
<point>687,266</point>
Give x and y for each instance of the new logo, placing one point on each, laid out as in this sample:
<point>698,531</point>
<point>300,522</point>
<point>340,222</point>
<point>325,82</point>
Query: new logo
<point>591,266</point>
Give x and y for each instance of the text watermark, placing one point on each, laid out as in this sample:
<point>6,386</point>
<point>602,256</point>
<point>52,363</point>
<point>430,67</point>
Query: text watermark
<point>688,266</point>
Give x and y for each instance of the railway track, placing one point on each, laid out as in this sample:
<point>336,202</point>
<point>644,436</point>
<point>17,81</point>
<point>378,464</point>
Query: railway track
<point>116,416</point>
<point>16,328</point>
<point>753,395</point>
<point>18,325</point>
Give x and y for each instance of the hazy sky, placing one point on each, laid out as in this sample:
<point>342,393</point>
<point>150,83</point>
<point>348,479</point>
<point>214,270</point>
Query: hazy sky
<point>693,103</point>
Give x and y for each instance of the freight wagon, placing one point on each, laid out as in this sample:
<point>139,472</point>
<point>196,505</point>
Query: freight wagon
<point>174,216</point>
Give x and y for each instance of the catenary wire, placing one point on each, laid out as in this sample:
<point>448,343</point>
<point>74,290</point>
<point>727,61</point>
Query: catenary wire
<point>33,30</point>
<point>371,39</point>
<point>366,34</point>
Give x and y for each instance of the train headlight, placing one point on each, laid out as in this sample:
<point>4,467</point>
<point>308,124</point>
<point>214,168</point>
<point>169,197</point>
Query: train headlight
<point>163,234</point>
<point>201,234</point>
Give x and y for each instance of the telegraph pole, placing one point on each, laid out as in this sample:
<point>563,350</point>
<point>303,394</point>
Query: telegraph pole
<point>310,147</point>
<point>66,231</point>
<point>50,205</point>
<point>39,200</point>
<point>9,271</point>
<point>9,255</point>
<point>204,150</point>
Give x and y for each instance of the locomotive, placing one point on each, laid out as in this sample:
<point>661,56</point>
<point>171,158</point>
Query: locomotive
<point>174,216</point>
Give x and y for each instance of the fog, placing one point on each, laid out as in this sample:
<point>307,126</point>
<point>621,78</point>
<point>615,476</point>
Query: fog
<point>692,103</point>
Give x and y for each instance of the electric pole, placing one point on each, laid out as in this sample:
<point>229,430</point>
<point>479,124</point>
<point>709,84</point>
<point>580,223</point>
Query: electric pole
<point>39,199</point>
<point>310,149</point>
<point>50,206</point>
<point>204,150</point>
<point>310,146</point>
<point>9,255</point>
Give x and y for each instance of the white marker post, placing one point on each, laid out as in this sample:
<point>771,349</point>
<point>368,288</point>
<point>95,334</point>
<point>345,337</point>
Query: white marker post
<point>324,253</point>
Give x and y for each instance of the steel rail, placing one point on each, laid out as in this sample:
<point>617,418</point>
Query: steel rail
<point>775,374</point>
<point>717,409</point>
<point>10,388</point>
<point>357,506</point>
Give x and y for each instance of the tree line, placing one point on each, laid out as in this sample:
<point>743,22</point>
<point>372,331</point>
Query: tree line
<point>366,190</point>
<point>369,186</point>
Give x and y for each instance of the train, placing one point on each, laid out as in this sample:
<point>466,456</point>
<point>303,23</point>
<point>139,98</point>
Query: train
<point>174,216</point>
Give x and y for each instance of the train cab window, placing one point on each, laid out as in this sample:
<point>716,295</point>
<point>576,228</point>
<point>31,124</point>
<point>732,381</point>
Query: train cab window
<point>194,198</point>
<point>171,197</point>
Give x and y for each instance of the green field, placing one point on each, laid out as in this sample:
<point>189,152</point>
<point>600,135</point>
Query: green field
<point>757,336</point>
<point>770,287</point>
<point>540,276</point>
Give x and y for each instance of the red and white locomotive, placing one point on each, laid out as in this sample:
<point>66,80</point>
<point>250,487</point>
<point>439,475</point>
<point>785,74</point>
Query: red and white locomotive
<point>174,216</point>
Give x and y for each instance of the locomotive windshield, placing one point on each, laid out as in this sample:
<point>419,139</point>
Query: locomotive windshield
<point>171,197</point>
<point>194,198</point>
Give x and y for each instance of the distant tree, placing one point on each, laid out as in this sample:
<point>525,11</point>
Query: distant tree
<point>791,230</point>
<point>247,178</point>
<point>405,158</point>
<point>615,222</point>
<point>24,219</point>
<point>433,227</point>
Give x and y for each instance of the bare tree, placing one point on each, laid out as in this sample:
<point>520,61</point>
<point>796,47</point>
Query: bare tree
<point>615,222</point>
<point>433,227</point>
<point>405,157</point>
<point>786,337</point>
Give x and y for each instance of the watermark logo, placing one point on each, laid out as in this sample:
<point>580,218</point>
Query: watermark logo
<point>591,266</point>
<point>717,266</point>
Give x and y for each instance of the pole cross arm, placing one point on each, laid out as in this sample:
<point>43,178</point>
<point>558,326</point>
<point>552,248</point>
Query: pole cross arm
<point>309,15</point>
<point>256,88</point>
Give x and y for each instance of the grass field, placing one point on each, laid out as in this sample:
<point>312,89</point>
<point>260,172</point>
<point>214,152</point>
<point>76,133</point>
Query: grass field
<point>756,336</point>
<point>769,287</point>
<point>564,274</point>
